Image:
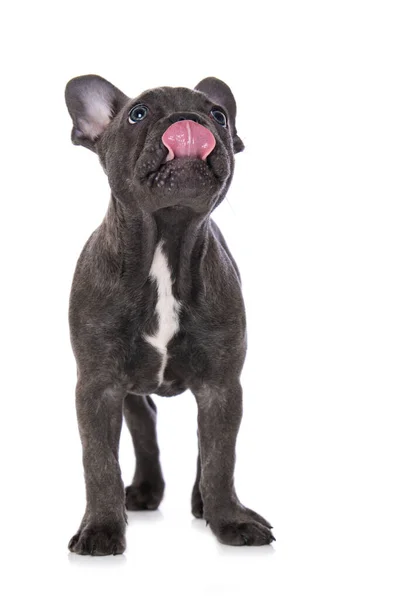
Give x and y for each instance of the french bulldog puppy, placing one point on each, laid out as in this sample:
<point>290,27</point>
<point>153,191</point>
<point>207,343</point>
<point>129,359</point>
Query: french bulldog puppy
<point>156,304</point>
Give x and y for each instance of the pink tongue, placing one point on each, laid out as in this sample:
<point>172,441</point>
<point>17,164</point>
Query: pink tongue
<point>188,139</point>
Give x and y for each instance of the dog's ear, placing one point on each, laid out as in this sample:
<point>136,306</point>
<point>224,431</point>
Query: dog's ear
<point>221,94</point>
<point>92,102</point>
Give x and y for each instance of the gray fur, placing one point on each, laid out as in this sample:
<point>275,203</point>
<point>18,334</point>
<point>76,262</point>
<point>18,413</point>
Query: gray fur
<point>112,308</point>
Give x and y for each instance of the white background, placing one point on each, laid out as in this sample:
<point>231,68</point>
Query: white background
<point>313,221</point>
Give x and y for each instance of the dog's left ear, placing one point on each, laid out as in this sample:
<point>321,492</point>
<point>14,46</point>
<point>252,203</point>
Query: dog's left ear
<point>221,94</point>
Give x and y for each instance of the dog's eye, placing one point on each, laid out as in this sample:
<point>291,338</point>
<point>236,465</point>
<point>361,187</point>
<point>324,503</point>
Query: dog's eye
<point>219,116</point>
<point>138,113</point>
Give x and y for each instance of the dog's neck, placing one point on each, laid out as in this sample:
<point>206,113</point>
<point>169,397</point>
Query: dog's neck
<point>134,237</point>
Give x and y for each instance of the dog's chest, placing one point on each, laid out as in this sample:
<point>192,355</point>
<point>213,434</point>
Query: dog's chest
<point>166,309</point>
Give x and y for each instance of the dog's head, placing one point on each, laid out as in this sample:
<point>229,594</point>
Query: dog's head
<point>167,147</point>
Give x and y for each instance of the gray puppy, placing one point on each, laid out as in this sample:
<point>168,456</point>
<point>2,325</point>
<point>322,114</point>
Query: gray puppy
<point>156,303</point>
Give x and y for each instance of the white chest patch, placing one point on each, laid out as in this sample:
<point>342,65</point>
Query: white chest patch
<point>167,307</point>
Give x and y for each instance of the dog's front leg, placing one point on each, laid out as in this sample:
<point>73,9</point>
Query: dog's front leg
<point>219,416</point>
<point>99,412</point>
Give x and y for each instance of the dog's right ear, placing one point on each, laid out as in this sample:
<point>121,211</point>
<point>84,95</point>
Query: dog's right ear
<point>92,102</point>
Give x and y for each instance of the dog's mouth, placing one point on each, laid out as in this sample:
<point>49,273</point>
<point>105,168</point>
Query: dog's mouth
<point>185,159</point>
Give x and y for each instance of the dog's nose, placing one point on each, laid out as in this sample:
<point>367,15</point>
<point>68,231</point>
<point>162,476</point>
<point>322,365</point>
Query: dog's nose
<point>183,117</point>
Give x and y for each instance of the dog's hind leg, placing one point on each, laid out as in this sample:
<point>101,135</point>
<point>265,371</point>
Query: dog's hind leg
<point>147,488</point>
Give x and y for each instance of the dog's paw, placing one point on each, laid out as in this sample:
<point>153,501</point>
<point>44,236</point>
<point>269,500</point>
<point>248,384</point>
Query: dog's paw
<point>237,533</point>
<point>99,540</point>
<point>144,496</point>
<point>243,527</point>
